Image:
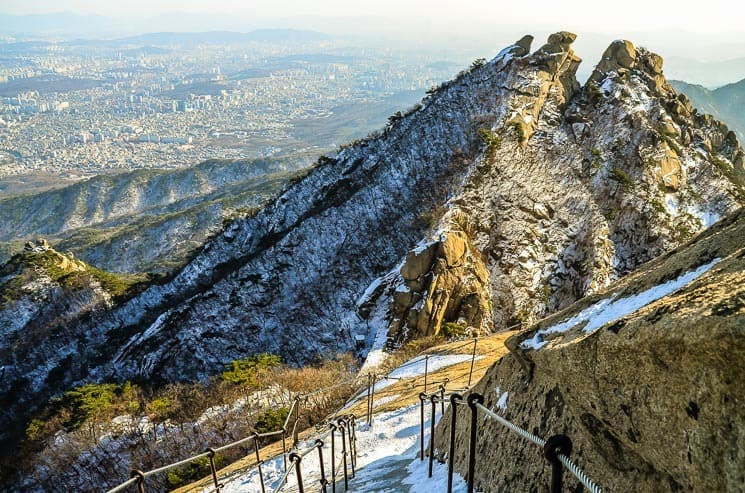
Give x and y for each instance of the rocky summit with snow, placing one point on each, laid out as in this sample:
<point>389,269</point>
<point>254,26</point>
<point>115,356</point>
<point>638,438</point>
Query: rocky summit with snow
<point>509,193</point>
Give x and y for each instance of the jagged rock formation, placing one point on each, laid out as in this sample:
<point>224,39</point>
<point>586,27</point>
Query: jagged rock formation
<point>518,190</point>
<point>726,103</point>
<point>652,399</point>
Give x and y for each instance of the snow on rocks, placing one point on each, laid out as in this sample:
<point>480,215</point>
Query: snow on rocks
<point>502,402</point>
<point>611,309</point>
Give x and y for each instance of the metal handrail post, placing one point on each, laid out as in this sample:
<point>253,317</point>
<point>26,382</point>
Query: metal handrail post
<point>342,427</point>
<point>136,473</point>
<point>432,399</point>
<point>454,399</point>
<point>213,469</point>
<point>259,462</point>
<point>333,459</point>
<point>555,445</point>
<point>297,459</point>
<point>422,397</point>
<point>472,400</point>
<point>324,481</point>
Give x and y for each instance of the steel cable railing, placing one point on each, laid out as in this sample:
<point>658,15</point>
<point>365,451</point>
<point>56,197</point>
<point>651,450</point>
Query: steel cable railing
<point>138,478</point>
<point>556,449</point>
<point>345,426</point>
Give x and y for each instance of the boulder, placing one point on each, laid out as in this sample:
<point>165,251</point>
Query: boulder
<point>621,54</point>
<point>418,262</point>
<point>524,45</point>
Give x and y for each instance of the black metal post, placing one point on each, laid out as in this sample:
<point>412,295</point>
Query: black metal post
<point>351,439</point>
<point>473,358</point>
<point>297,419</point>
<point>213,469</point>
<point>422,397</point>
<point>442,399</point>
<point>333,459</point>
<point>284,446</point>
<point>344,452</point>
<point>432,399</point>
<point>454,399</point>
<point>353,421</point>
<point>297,459</point>
<point>136,473</point>
<point>259,462</point>
<point>555,445</point>
<point>324,481</point>
<point>472,400</point>
<point>426,371</point>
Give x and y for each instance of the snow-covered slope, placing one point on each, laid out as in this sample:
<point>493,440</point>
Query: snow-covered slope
<point>509,193</point>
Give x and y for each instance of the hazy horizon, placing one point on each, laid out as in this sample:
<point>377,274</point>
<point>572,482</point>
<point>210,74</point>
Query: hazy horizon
<point>474,29</point>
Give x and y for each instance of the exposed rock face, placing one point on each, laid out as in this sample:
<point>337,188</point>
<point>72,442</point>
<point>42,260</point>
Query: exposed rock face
<point>524,190</point>
<point>445,280</point>
<point>620,55</point>
<point>652,401</point>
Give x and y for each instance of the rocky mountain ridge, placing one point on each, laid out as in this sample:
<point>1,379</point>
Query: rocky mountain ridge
<point>145,220</point>
<point>727,103</point>
<point>508,194</point>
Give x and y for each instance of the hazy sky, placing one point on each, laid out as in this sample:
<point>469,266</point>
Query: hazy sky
<point>711,16</point>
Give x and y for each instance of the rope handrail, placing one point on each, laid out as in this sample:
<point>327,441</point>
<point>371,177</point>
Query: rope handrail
<point>130,482</point>
<point>175,464</point>
<point>516,429</point>
<point>552,448</point>
<point>283,479</point>
<point>579,474</point>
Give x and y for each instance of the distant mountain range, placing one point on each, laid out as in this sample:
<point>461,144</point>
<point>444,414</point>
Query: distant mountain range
<point>160,30</point>
<point>726,103</point>
<point>709,74</point>
<point>225,37</point>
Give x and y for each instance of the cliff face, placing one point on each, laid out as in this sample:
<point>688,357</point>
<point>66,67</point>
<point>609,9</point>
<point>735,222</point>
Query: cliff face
<point>645,377</point>
<point>509,193</point>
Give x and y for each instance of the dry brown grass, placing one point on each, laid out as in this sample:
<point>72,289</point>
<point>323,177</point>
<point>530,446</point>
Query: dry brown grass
<point>397,395</point>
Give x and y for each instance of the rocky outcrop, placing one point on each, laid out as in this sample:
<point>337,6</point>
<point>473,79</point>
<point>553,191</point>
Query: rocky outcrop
<point>525,191</point>
<point>444,281</point>
<point>618,58</point>
<point>651,395</point>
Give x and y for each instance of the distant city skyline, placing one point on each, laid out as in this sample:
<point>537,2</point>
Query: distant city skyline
<point>717,18</point>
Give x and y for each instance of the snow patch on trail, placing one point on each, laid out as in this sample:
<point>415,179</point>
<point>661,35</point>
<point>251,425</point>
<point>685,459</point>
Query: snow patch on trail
<point>415,367</point>
<point>387,461</point>
<point>610,309</point>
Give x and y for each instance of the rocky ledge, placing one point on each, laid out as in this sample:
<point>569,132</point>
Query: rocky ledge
<point>647,378</point>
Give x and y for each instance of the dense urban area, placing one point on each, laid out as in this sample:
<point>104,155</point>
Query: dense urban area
<point>80,108</point>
